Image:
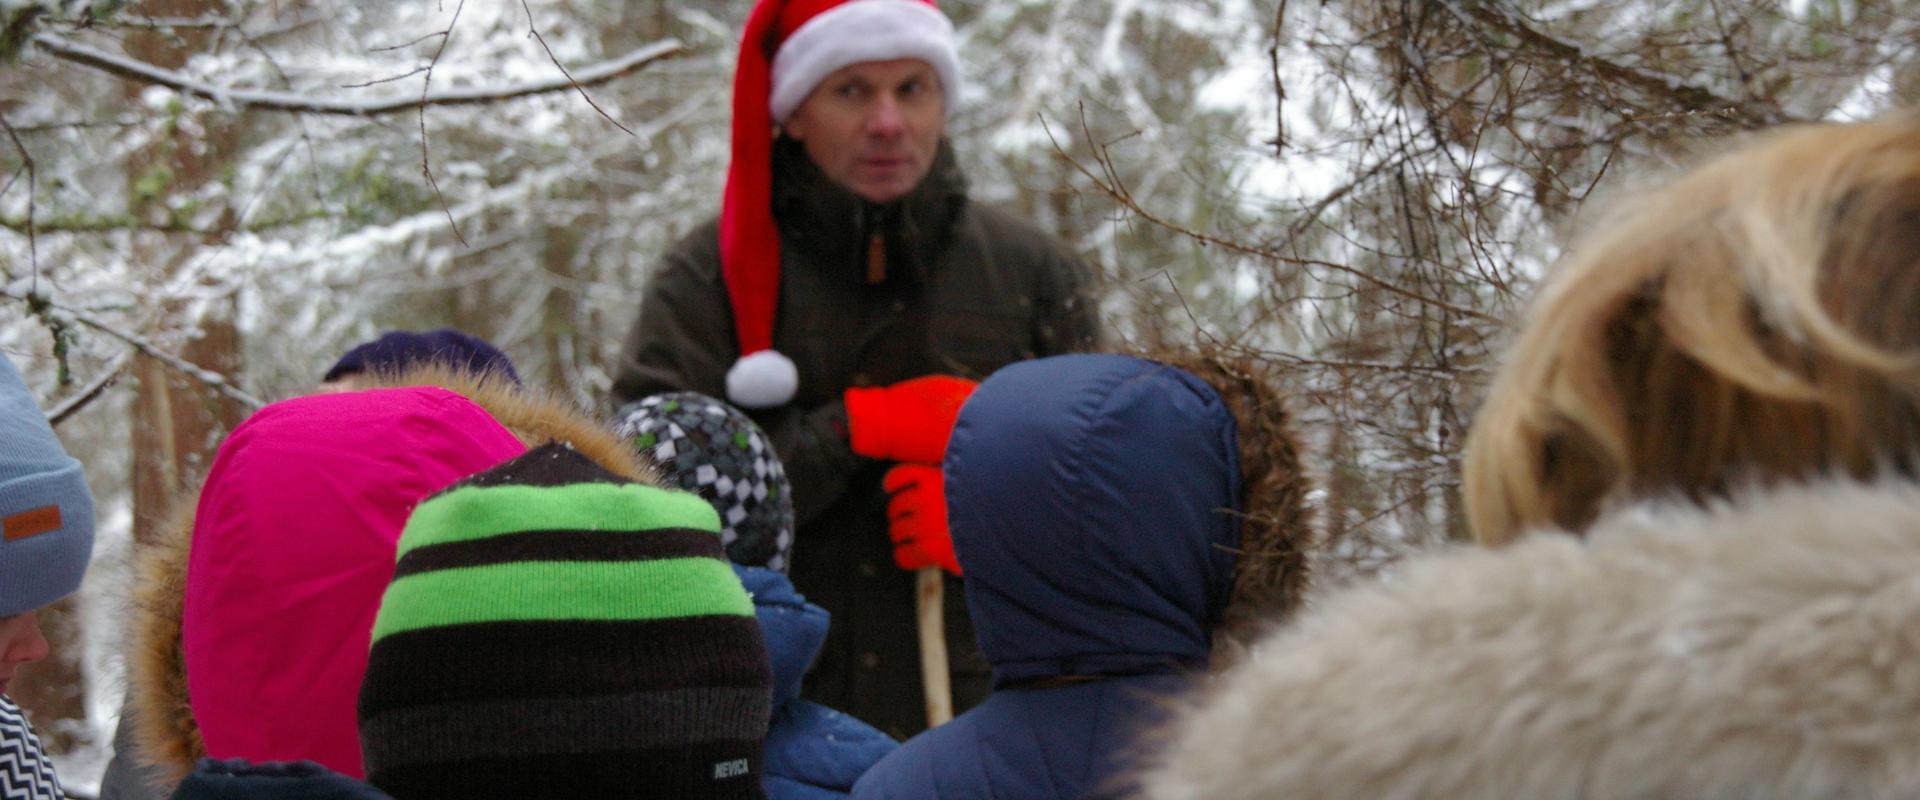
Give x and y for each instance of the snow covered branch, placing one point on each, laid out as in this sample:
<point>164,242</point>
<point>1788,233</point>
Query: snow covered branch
<point>33,188</point>
<point>1685,95</point>
<point>213,380</point>
<point>92,392</point>
<point>108,223</point>
<point>1109,182</point>
<point>140,72</point>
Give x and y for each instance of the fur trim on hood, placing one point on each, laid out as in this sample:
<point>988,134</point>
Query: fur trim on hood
<point>1763,648</point>
<point>165,733</point>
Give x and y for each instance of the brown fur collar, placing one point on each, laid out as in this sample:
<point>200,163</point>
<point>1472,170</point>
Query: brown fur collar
<point>165,733</point>
<point>535,416</point>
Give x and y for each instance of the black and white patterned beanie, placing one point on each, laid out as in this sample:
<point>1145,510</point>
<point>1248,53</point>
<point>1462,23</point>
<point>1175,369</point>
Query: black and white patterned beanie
<point>713,450</point>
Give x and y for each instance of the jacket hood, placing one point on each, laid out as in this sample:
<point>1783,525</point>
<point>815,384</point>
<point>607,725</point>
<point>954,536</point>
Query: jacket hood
<point>1091,500</point>
<point>1763,648</point>
<point>293,545</point>
<point>794,629</point>
<point>167,732</point>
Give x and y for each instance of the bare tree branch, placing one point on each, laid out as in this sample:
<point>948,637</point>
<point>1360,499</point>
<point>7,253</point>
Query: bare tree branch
<point>141,72</point>
<point>47,127</point>
<point>93,391</point>
<point>26,163</point>
<point>441,35</point>
<point>1110,185</point>
<point>1279,87</point>
<point>563,70</point>
<point>147,22</point>
<point>426,155</point>
<point>109,223</point>
<point>389,79</point>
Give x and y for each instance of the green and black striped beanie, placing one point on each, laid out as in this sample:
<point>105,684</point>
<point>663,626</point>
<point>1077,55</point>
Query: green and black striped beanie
<point>555,630</point>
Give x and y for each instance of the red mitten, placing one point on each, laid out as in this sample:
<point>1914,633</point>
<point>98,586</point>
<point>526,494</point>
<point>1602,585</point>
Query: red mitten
<point>908,421</point>
<point>917,518</point>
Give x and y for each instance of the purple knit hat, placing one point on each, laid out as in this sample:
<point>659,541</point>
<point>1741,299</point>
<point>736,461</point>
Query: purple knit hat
<point>399,351</point>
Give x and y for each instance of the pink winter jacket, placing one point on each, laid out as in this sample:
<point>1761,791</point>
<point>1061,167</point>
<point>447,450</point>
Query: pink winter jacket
<point>293,544</point>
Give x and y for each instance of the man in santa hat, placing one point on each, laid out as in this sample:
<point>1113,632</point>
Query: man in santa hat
<point>848,296</point>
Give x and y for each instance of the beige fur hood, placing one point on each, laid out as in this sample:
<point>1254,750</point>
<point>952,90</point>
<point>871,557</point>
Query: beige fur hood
<point>1766,648</point>
<point>164,729</point>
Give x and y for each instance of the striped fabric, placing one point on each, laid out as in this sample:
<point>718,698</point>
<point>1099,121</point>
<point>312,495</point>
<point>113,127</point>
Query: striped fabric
<point>551,625</point>
<point>25,772</point>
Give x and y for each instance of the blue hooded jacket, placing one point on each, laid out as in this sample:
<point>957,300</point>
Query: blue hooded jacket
<point>813,752</point>
<point>1091,502</point>
<point>239,779</point>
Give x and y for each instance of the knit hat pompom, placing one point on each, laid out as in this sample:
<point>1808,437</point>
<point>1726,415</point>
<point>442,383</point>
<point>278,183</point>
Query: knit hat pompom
<point>553,629</point>
<point>46,511</point>
<point>788,48</point>
<point>713,450</point>
<point>763,379</point>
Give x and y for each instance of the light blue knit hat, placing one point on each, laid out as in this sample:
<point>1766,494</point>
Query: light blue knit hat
<point>46,512</point>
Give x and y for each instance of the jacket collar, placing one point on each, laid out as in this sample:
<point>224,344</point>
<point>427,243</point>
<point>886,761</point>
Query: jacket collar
<point>793,628</point>
<point>826,222</point>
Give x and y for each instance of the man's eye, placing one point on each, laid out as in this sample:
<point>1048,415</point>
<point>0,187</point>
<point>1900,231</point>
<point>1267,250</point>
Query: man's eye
<point>850,90</point>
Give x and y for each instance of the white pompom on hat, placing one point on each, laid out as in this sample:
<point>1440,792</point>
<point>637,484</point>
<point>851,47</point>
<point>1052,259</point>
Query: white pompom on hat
<point>789,47</point>
<point>762,379</point>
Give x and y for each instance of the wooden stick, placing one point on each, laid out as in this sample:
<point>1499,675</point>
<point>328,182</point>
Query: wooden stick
<point>932,590</point>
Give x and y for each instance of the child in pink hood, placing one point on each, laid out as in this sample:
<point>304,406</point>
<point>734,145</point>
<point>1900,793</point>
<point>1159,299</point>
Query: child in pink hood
<point>293,544</point>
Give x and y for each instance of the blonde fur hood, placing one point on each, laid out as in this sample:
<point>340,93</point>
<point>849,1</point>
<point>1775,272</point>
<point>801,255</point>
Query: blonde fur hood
<point>164,731</point>
<point>1765,648</point>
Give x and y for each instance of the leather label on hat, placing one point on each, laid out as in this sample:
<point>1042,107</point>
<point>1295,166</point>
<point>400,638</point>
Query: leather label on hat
<point>45,519</point>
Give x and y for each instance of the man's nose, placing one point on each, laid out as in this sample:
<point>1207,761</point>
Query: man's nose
<point>886,119</point>
<point>26,647</point>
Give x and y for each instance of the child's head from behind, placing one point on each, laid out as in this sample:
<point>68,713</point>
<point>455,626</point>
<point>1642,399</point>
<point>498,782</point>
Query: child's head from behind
<point>714,450</point>
<point>398,352</point>
<point>553,625</point>
<point>1753,321</point>
<point>1113,512</point>
<point>292,544</point>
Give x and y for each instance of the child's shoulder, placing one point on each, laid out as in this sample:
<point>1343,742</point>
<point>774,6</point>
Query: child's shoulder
<point>24,769</point>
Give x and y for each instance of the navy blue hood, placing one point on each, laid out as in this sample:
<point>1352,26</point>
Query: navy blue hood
<point>1093,502</point>
<point>238,779</point>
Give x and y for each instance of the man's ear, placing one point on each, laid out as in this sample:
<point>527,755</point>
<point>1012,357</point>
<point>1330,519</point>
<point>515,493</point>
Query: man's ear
<point>794,128</point>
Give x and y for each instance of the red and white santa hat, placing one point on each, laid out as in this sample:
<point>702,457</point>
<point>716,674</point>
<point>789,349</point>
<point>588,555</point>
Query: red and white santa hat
<point>789,47</point>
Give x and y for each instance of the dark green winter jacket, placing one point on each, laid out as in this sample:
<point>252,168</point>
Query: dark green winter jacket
<point>966,290</point>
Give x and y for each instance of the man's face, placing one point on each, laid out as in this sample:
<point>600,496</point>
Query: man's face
<point>873,127</point>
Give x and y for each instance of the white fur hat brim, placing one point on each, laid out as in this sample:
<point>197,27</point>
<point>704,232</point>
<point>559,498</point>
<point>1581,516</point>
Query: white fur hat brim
<point>860,31</point>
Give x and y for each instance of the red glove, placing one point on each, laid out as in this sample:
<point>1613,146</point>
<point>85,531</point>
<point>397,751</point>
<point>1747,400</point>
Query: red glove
<point>917,518</point>
<point>908,421</point>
